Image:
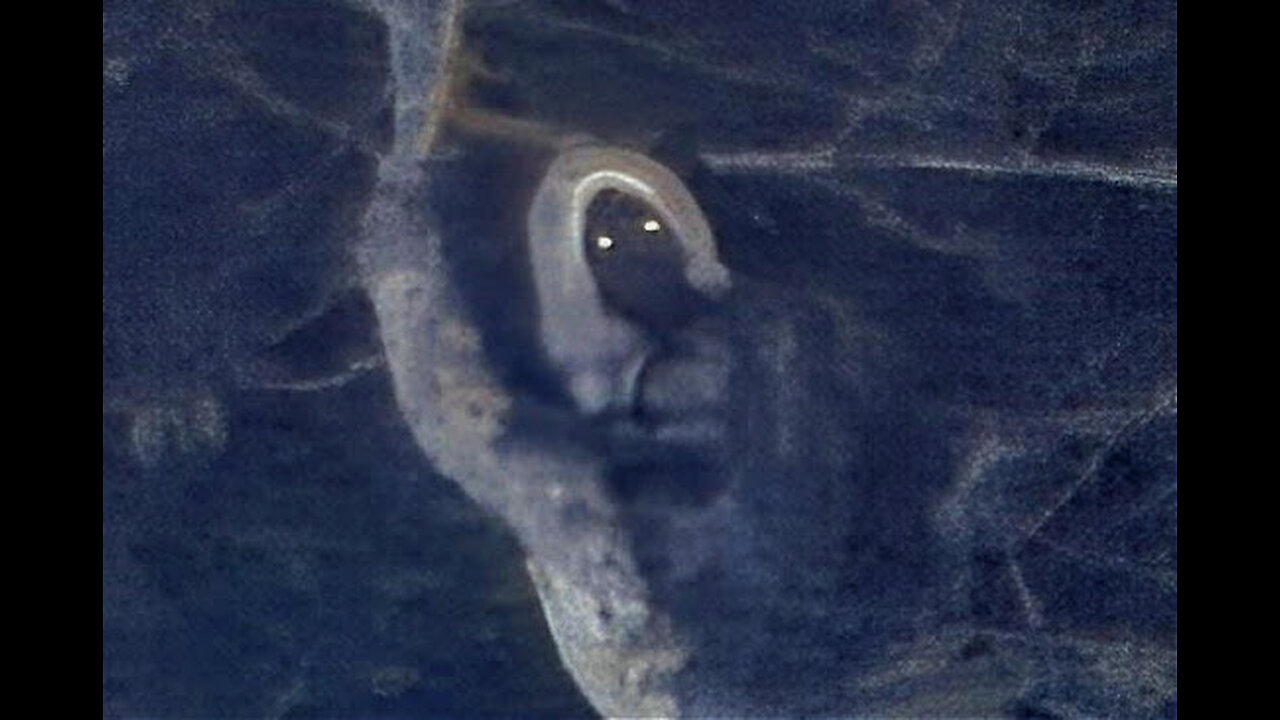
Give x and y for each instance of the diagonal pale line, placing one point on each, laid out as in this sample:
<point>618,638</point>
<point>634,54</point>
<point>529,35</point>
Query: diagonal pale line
<point>1153,177</point>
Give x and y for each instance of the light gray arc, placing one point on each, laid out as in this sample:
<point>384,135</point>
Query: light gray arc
<point>598,354</point>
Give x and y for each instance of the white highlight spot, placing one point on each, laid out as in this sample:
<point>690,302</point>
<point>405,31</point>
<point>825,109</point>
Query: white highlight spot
<point>652,226</point>
<point>604,242</point>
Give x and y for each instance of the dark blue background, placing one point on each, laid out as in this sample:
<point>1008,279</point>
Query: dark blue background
<point>997,195</point>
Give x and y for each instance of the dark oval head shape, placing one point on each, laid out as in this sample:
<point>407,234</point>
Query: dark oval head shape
<point>638,263</point>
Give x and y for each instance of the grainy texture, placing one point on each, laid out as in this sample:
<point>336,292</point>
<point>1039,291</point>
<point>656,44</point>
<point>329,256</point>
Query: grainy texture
<point>922,460</point>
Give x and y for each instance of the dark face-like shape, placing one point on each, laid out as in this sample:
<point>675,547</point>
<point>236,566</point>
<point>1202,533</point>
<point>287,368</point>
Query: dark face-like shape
<point>638,263</point>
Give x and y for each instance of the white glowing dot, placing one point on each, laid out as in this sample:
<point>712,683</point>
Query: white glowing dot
<point>604,242</point>
<point>652,226</point>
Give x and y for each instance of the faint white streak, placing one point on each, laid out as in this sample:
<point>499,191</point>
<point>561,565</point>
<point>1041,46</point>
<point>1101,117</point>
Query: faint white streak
<point>777,163</point>
<point>1087,421</point>
<point>251,86</point>
<point>234,70</point>
<point>261,212</point>
<point>354,370</point>
<point>882,215</point>
<point>1156,177</point>
<point>981,451</point>
<point>1030,606</point>
<point>781,349</point>
<point>672,50</point>
<point>1166,401</point>
<point>1153,177</point>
